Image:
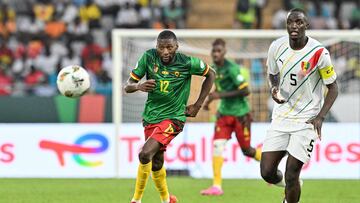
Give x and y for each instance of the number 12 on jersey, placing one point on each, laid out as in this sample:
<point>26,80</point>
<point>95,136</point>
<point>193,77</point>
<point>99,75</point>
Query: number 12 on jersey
<point>164,85</point>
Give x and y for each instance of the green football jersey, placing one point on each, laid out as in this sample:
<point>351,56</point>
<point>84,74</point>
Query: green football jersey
<point>169,98</point>
<point>231,77</point>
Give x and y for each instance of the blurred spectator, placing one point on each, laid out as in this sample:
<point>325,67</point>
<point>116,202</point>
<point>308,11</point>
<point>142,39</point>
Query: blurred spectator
<point>43,10</point>
<point>7,21</point>
<point>29,27</point>
<point>173,15</point>
<point>355,16</point>
<point>58,48</point>
<point>55,28</point>
<point>320,17</point>
<point>145,16</point>
<point>279,18</point>
<point>70,12</point>
<point>34,48</point>
<point>90,13</point>
<point>79,3</point>
<point>260,4</point>
<point>6,13</point>
<point>44,89</point>
<point>21,67</point>
<point>34,78</point>
<point>108,7</point>
<point>6,56</point>
<point>127,17</point>
<point>77,29</point>
<point>92,55</point>
<point>21,7</point>
<point>5,83</point>
<point>70,59</point>
<point>246,13</point>
<point>144,3</point>
<point>299,4</point>
<point>47,62</point>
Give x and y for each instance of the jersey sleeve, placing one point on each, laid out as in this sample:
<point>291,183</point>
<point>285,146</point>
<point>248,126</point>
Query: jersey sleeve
<point>238,78</point>
<point>140,68</point>
<point>198,67</point>
<point>272,68</point>
<point>326,69</point>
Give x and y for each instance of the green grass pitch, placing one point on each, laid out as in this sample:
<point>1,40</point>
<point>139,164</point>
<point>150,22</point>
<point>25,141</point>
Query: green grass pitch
<point>186,189</point>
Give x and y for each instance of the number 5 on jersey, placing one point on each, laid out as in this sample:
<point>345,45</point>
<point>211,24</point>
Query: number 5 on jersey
<point>293,79</point>
<point>164,85</point>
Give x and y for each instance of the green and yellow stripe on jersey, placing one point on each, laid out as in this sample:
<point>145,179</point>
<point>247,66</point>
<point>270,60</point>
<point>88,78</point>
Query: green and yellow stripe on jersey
<point>206,70</point>
<point>134,76</point>
<point>243,85</point>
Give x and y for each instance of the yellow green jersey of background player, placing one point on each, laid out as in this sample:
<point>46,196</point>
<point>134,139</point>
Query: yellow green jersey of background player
<point>230,77</point>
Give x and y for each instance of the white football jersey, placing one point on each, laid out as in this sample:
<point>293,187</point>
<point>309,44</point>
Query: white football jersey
<point>303,75</point>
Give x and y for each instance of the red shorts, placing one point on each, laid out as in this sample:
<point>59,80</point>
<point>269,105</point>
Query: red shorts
<point>225,125</point>
<point>163,132</point>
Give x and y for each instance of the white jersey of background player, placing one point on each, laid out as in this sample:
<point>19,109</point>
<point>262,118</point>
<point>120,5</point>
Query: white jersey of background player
<point>299,68</point>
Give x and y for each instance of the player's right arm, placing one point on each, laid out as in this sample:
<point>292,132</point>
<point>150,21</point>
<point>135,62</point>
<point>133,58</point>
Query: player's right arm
<point>133,83</point>
<point>274,74</point>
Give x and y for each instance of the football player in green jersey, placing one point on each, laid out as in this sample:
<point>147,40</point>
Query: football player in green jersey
<point>233,113</point>
<point>168,78</point>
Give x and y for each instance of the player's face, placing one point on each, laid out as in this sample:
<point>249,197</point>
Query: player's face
<point>296,24</point>
<point>218,53</point>
<point>166,49</point>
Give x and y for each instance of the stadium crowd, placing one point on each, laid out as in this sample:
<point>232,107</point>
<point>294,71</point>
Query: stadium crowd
<point>37,37</point>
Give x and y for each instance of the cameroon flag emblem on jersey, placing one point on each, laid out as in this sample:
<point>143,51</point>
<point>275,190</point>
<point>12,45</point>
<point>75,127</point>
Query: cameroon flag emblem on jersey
<point>156,68</point>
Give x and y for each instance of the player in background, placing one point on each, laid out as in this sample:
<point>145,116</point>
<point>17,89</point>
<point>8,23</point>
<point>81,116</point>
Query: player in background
<point>298,67</point>
<point>168,78</point>
<point>233,113</point>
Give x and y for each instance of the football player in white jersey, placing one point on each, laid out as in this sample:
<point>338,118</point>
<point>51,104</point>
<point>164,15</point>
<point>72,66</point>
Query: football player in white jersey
<point>299,68</point>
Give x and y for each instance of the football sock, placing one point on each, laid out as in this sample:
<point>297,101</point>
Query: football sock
<point>159,178</point>
<point>257,155</point>
<point>141,180</point>
<point>281,183</point>
<point>217,165</point>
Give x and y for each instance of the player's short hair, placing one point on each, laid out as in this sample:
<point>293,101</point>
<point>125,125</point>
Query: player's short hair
<point>297,10</point>
<point>167,34</point>
<point>219,41</point>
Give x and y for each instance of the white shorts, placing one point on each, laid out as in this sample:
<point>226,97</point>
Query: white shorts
<point>298,144</point>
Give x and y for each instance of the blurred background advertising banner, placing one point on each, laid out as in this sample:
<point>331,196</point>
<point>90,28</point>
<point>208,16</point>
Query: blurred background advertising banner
<point>336,156</point>
<point>57,150</point>
<point>88,150</point>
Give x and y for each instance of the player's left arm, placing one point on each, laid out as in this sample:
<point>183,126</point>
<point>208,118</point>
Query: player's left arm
<point>328,77</point>
<point>200,68</point>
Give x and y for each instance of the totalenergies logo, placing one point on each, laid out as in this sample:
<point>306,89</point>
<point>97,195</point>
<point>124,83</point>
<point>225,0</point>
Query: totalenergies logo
<point>78,149</point>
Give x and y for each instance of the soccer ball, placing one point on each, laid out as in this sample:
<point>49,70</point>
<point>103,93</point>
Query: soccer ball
<point>73,81</point>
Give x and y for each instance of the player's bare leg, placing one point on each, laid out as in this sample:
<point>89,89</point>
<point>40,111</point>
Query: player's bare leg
<point>292,174</point>
<point>159,178</point>
<point>252,152</point>
<point>269,167</point>
<point>217,163</point>
<point>243,135</point>
<point>150,148</point>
